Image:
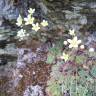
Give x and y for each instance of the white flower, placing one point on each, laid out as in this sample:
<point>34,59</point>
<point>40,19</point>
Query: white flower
<point>72,32</point>
<point>21,34</point>
<point>29,20</point>
<point>82,47</point>
<point>74,42</point>
<point>19,21</point>
<point>44,23</point>
<point>65,56</point>
<point>91,50</point>
<point>65,42</point>
<point>20,75</point>
<point>31,11</point>
<point>35,27</point>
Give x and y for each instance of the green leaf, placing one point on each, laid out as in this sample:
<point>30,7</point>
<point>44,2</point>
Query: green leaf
<point>93,71</point>
<point>50,59</point>
<point>55,89</point>
<point>83,73</point>
<point>80,59</point>
<point>55,51</point>
<point>82,91</point>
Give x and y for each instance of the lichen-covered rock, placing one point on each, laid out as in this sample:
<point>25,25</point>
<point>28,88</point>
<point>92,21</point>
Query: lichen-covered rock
<point>8,10</point>
<point>33,91</point>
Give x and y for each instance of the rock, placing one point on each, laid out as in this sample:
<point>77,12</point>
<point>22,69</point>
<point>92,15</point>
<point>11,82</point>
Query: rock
<point>92,5</point>
<point>1,21</point>
<point>90,39</point>
<point>8,10</point>
<point>75,16</point>
<point>30,56</point>
<point>43,7</point>
<point>3,61</point>
<point>33,91</point>
<point>9,50</point>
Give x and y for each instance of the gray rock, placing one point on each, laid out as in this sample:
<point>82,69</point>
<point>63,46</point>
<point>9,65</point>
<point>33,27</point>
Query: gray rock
<point>92,5</point>
<point>10,49</point>
<point>8,10</point>
<point>33,91</point>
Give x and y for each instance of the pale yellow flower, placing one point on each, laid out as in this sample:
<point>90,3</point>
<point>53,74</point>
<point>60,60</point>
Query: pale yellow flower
<point>74,42</point>
<point>19,21</point>
<point>65,56</point>
<point>44,23</point>
<point>31,11</point>
<point>82,47</point>
<point>29,20</point>
<point>35,27</point>
<point>72,32</point>
<point>65,42</point>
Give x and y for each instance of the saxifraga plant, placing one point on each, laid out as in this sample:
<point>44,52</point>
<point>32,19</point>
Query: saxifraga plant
<point>76,74</point>
<point>29,25</point>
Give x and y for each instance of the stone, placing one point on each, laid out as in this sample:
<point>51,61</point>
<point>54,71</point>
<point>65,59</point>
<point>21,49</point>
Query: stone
<point>7,10</point>
<point>3,61</point>
<point>33,91</point>
<point>10,9</point>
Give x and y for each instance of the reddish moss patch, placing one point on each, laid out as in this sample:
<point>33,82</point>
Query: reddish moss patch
<point>42,72</point>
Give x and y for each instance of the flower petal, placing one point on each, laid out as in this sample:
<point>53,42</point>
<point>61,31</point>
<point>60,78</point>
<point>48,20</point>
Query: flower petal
<point>70,46</point>
<point>65,42</point>
<point>75,38</point>
<point>79,41</point>
<point>69,40</point>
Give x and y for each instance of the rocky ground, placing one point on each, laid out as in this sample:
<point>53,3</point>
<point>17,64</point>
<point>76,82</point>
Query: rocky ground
<point>22,64</point>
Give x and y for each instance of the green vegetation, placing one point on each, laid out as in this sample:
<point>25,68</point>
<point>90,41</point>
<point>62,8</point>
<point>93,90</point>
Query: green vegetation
<point>77,74</point>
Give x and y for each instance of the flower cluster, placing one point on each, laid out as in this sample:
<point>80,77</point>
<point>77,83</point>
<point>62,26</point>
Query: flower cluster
<point>74,42</point>
<point>21,34</point>
<point>29,20</point>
